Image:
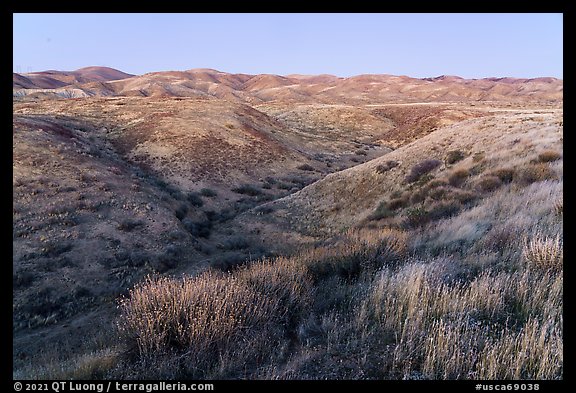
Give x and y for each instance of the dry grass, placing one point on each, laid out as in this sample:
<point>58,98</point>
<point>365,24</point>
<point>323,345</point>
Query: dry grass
<point>205,321</point>
<point>532,173</point>
<point>488,183</point>
<point>506,175</point>
<point>458,177</point>
<point>543,252</point>
<point>549,156</point>
<point>93,365</point>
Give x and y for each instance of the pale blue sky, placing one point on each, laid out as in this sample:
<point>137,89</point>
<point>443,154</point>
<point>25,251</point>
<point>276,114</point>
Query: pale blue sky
<point>417,45</point>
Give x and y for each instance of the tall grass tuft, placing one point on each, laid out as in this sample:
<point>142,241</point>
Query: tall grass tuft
<point>543,252</point>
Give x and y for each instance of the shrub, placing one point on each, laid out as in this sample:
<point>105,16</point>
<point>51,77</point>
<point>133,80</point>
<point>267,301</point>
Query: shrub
<point>199,228</point>
<point>211,215</point>
<point>305,167</point>
<point>383,168</point>
<point>398,203</point>
<point>361,152</point>
<point>236,242</point>
<point>129,224</point>
<point>416,216</point>
<point>534,173</point>
<point>439,193</point>
<point>488,183</point>
<point>201,318</point>
<point>264,209</point>
<point>458,177</point>
<point>230,261</point>
<point>54,249</point>
<point>421,169</point>
<point>506,175</point>
<point>453,156</point>
<point>23,278</point>
<point>247,189</point>
<point>463,196</point>
<point>544,252</point>
<point>437,183</point>
<point>549,156</point>
<point>419,195</point>
<point>382,211</point>
<point>284,186</point>
<point>285,280</point>
<point>181,211</point>
<point>194,199</point>
<point>443,209</point>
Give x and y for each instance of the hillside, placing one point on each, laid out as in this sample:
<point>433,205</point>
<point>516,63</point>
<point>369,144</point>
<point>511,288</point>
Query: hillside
<point>206,225</point>
<point>504,139</point>
<point>254,89</point>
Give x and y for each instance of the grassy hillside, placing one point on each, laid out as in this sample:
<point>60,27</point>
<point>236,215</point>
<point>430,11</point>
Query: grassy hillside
<point>440,260</point>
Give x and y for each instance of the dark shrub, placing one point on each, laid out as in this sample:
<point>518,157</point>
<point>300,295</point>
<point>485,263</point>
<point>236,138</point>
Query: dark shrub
<point>419,195</point>
<point>439,193</point>
<point>198,229</point>
<point>138,258</point>
<point>416,216</point>
<point>284,186</point>
<point>549,156</point>
<point>247,189</point>
<point>398,203</point>
<point>421,169</point>
<point>23,278</point>
<point>264,210</point>
<point>361,153</point>
<point>453,156</point>
<point>207,192</point>
<point>436,183</point>
<point>236,242</point>
<point>458,177</point>
<point>488,183</point>
<point>230,261</point>
<point>54,249</point>
<point>443,209</point>
<point>382,211</point>
<point>194,199</point>
<point>306,167</point>
<point>506,175</point>
<point>383,168</point>
<point>181,211</point>
<point>211,215</point>
<point>534,173</point>
<point>354,159</point>
<point>463,196</point>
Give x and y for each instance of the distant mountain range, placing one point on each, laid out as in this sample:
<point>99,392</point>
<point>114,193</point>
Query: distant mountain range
<point>255,89</point>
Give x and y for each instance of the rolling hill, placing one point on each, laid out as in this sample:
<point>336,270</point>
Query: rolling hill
<point>334,228</point>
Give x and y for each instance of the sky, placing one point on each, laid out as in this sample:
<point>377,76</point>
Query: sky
<point>416,45</point>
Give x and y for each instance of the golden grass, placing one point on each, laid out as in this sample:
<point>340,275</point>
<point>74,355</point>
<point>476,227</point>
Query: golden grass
<point>543,252</point>
<point>199,313</point>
